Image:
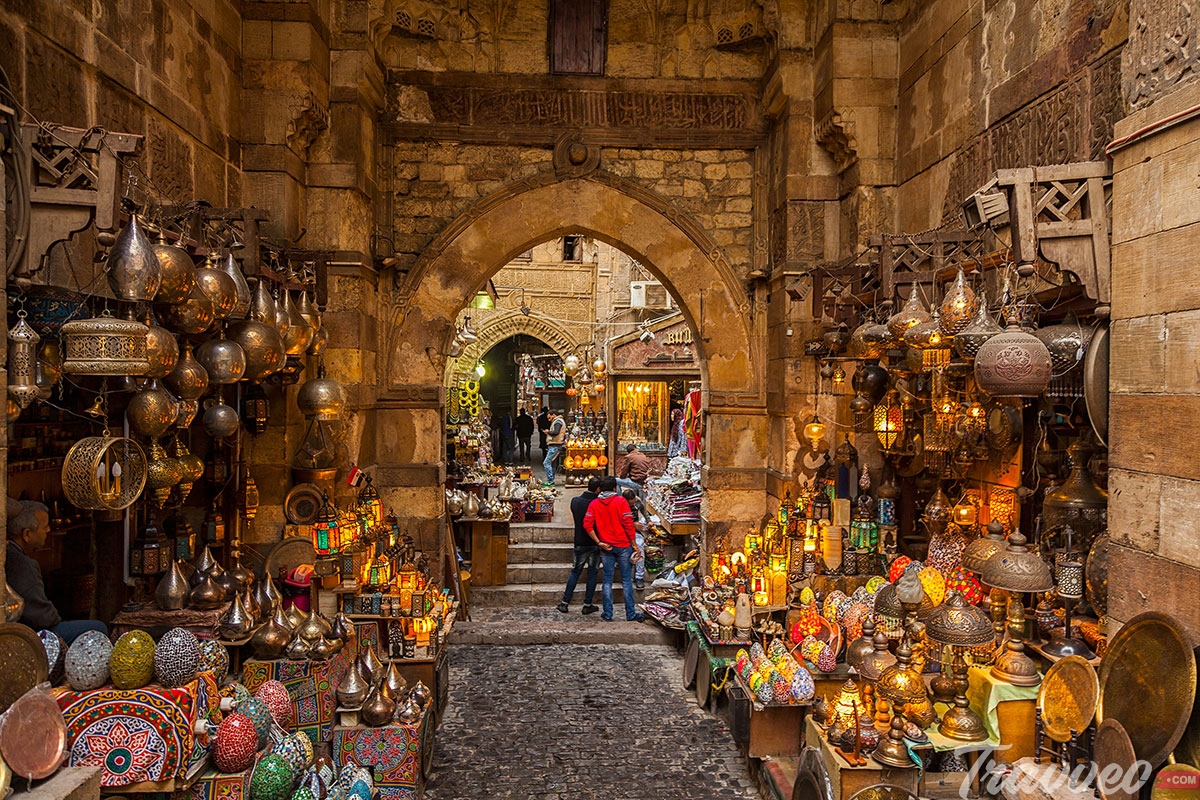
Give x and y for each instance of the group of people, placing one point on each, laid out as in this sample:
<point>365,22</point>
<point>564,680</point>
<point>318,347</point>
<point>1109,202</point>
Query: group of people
<point>514,437</point>
<point>610,532</point>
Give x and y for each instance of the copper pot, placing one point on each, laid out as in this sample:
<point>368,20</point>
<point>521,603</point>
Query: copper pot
<point>178,272</point>
<point>223,360</point>
<point>134,273</point>
<point>194,315</point>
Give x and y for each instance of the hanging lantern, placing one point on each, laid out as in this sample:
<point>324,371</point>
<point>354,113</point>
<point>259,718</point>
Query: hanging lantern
<point>815,432</point>
<point>214,525</point>
<point>325,532</point>
<point>1013,364</point>
<point>369,504</point>
<point>571,365</point>
<point>105,346</point>
<point>321,398</point>
<point>889,421</point>
<point>255,409</point>
<point>133,270</point>
<point>104,473</point>
<point>928,338</point>
<point>981,328</point>
<point>406,576</point>
<point>22,362</point>
<point>913,313</point>
<point>958,306</point>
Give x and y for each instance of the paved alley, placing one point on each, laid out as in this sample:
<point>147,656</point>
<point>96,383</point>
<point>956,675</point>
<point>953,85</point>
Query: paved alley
<point>575,722</point>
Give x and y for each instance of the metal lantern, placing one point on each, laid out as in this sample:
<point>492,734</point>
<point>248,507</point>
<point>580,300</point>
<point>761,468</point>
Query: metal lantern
<point>223,359</point>
<point>958,306</point>
<point>913,313</point>
<point>321,398</point>
<point>134,273</point>
<point>218,287</point>
<point>1013,364</point>
<point>104,473</point>
<point>241,303</point>
<point>981,328</point>
<point>178,272</point>
<point>325,531</point>
<point>369,504</point>
<point>889,422</point>
<point>1078,503</point>
<point>22,362</point>
<point>194,315</point>
<point>105,346</point>
<point>162,351</point>
<point>189,379</point>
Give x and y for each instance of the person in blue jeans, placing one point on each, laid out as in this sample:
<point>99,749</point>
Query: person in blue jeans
<point>27,530</point>
<point>556,437</point>
<point>639,525</point>
<point>609,522</point>
<point>586,553</point>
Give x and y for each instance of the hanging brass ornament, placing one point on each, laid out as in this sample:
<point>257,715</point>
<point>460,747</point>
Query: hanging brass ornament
<point>134,273</point>
<point>321,398</point>
<point>241,304</point>
<point>224,360</point>
<point>1013,364</point>
<point>104,473</point>
<point>981,328</point>
<point>298,335</point>
<point>189,379</point>
<point>958,306</point>
<point>913,313</point>
<point>162,473</point>
<point>22,362</point>
<point>309,312</point>
<point>151,411</point>
<point>178,272</point>
<point>162,351</point>
<point>283,320</point>
<point>105,346</point>
<point>219,420</point>
<point>218,287</point>
<point>194,315</point>
<point>192,466</point>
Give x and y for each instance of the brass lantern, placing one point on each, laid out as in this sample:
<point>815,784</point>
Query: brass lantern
<point>1017,569</point>
<point>889,422</point>
<point>22,362</point>
<point>369,504</point>
<point>321,398</point>
<point>105,346</point>
<point>958,306</point>
<point>913,313</point>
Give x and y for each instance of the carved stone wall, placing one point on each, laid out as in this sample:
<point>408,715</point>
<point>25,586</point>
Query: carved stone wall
<point>1163,50</point>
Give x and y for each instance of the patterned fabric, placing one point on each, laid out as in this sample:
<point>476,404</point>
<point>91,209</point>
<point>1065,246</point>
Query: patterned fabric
<point>133,735</point>
<point>311,685</point>
<point>213,785</point>
<point>394,752</point>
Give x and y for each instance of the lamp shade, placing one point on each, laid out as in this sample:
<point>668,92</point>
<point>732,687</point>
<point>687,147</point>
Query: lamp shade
<point>981,549</point>
<point>956,622</point>
<point>900,683</point>
<point>482,300</point>
<point>1016,569</point>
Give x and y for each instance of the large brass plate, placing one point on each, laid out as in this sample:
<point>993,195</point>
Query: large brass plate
<point>1148,684</point>
<point>34,737</point>
<point>1188,749</point>
<point>1112,746</point>
<point>23,662</point>
<point>1095,383</point>
<point>288,554</point>
<point>1067,698</point>
<point>689,663</point>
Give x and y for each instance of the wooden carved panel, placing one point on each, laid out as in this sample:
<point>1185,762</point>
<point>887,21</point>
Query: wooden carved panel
<point>1163,49</point>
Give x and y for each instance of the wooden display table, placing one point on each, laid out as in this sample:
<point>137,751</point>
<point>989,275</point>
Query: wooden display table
<point>846,779</point>
<point>397,755</point>
<point>489,550</point>
<point>154,620</point>
<point>772,730</point>
<point>673,528</point>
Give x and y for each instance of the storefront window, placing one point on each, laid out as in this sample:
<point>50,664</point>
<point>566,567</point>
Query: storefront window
<point>642,415</point>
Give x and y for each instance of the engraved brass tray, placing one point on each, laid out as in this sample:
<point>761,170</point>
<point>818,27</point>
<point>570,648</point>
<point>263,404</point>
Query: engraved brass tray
<point>1188,749</point>
<point>1112,746</point>
<point>23,663</point>
<point>1148,684</point>
<point>1067,698</point>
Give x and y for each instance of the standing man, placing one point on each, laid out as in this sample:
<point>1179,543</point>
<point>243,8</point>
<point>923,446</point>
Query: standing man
<point>27,533</point>
<point>641,526</point>
<point>524,434</point>
<point>586,552</point>
<point>556,436</point>
<point>634,469</point>
<point>507,441</point>
<point>543,425</point>
<point>609,521</point>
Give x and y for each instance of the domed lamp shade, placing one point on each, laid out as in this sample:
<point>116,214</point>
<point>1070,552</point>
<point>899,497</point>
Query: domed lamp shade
<point>1016,569</point>
<point>960,625</point>
<point>913,313</point>
<point>980,550</point>
<point>958,306</point>
<point>1013,364</point>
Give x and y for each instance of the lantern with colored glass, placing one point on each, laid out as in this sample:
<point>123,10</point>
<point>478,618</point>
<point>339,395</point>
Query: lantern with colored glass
<point>760,584</point>
<point>326,530</point>
<point>846,707</point>
<point>393,525</point>
<point>422,627</point>
<point>406,576</point>
<point>369,505</point>
<point>889,421</point>
<point>754,541</point>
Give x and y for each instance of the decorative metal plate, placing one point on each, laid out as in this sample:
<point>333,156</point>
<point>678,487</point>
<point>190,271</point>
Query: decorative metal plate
<point>303,503</point>
<point>1095,383</point>
<point>288,554</point>
<point>812,781</point>
<point>883,791</point>
<point>1112,746</point>
<point>1148,684</point>
<point>23,662</point>
<point>703,680</point>
<point>34,737</point>
<point>1188,749</point>
<point>1067,698</point>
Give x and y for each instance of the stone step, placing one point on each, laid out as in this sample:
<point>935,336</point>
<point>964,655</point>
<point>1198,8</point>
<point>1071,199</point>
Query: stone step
<point>525,553</point>
<point>536,594</point>
<point>539,573</point>
<point>551,627</point>
<point>541,532</point>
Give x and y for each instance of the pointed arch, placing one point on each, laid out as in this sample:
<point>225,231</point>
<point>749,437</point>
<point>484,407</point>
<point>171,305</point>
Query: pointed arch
<point>499,328</point>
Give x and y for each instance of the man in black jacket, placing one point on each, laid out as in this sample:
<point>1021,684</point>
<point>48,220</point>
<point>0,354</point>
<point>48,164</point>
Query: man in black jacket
<point>26,533</point>
<point>587,554</point>
<point>524,434</point>
<point>543,425</point>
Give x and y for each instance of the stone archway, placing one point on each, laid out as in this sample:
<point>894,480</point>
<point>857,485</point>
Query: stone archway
<point>674,247</point>
<point>512,324</point>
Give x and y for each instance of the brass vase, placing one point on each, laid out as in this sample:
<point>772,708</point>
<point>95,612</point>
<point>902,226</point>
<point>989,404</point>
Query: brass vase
<point>172,591</point>
<point>408,713</point>
<point>421,695</point>
<point>134,273</point>
<point>377,710</point>
<point>352,690</point>
<point>269,641</point>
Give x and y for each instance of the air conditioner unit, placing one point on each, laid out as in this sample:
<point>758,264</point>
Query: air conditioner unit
<point>648,294</point>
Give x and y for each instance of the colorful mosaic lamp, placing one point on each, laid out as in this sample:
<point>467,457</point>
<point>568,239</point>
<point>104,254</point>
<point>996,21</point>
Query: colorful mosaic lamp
<point>326,530</point>
<point>369,505</point>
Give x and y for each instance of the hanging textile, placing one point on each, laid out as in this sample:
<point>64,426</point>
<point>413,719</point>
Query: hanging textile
<point>693,423</point>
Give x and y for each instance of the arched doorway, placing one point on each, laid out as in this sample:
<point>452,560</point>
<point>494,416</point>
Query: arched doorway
<point>672,246</point>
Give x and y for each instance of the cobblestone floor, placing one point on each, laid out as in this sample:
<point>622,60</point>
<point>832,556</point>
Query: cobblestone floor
<point>567,722</point>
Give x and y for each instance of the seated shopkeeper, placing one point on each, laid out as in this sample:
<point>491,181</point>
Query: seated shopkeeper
<point>26,533</point>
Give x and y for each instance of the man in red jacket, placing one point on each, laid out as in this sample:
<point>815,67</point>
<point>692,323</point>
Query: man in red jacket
<point>609,521</point>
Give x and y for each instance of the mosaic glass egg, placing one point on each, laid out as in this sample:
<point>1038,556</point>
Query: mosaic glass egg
<point>807,597</point>
<point>802,686</point>
<point>843,608</point>
<point>214,658</point>
<point>303,793</point>
<point>260,715</point>
<point>362,787</point>
<point>966,584</point>
<point>897,567</point>
<point>810,648</point>
<point>237,742</point>
<point>272,779</point>
<point>830,606</point>
<point>875,583</point>
<point>86,664</point>
<point>132,662</point>
<point>294,751</point>
<point>325,769</point>
<point>350,773</point>
<point>764,693</point>
<point>776,651</point>
<point>278,701</point>
<point>827,660</point>
<point>741,661</point>
<point>757,652</point>
<point>781,690</point>
<point>861,595</point>
<point>852,621</point>
<point>934,584</point>
<point>56,654</point>
<point>314,783</point>
<point>176,657</point>
<point>808,623</point>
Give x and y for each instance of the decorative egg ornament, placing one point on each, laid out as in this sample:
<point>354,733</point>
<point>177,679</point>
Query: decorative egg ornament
<point>278,701</point>
<point>176,658</point>
<point>237,742</point>
<point>86,664</point>
<point>272,779</point>
<point>214,658</point>
<point>56,655</point>
<point>296,750</point>
<point>132,662</point>
<point>934,584</point>
<point>966,584</point>
<point>897,568</point>
<point>260,715</point>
